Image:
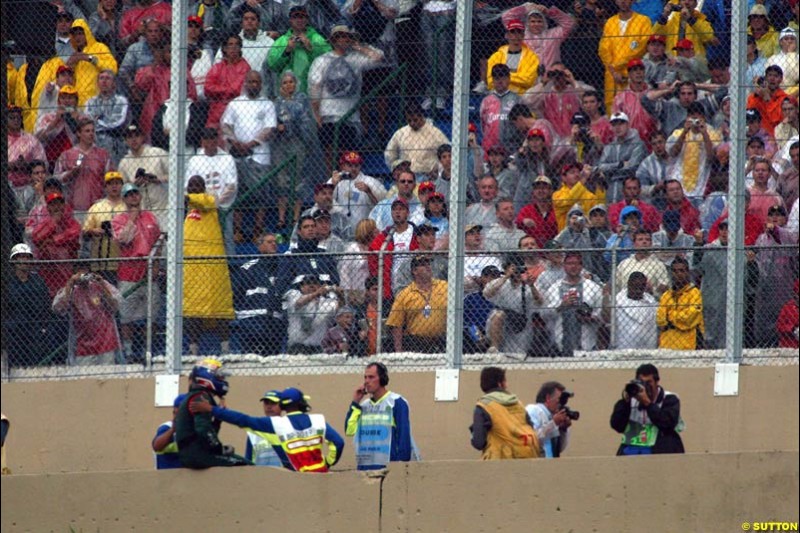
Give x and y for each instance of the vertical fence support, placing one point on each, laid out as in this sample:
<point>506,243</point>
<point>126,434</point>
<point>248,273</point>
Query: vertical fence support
<point>177,150</point>
<point>734,309</point>
<point>458,186</point>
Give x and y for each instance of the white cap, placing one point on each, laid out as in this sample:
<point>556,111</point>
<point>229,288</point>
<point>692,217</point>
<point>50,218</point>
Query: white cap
<point>788,32</point>
<point>619,116</point>
<point>20,248</point>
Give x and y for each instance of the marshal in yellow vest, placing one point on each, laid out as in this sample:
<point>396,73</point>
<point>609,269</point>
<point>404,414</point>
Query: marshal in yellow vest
<point>511,437</point>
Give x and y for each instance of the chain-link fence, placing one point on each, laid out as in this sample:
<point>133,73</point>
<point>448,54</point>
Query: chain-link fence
<point>317,171</point>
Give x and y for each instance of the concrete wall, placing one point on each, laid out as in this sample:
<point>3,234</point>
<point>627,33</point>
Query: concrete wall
<point>105,425</point>
<point>693,492</point>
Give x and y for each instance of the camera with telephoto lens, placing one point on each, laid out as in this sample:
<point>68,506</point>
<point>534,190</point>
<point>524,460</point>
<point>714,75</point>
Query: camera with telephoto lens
<point>634,387</point>
<point>142,174</point>
<point>675,7</point>
<point>584,310</point>
<point>106,227</point>
<point>694,122</point>
<point>85,278</point>
<point>562,405</point>
<point>345,176</point>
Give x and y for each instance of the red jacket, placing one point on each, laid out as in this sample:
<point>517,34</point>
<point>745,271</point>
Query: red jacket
<point>651,218</point>
<point>372,259</point>
<point>753,227</point>
<point>56,241</point>
<point>788,321</point>
<point>545,227</point>
<point>690,217</point>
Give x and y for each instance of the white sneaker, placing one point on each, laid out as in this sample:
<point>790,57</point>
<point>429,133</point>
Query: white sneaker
<point>426,103</point>
<point>480,88</point>
<point>440,102</point>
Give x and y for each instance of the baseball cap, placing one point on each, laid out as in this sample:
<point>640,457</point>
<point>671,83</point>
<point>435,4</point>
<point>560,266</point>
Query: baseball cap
<point>400,201</point>
<point>132,129</point>
<point>112,175</point>
<point>420,260</point>
<point>426,186</point>
<point>684,44</point>
<point>52,197</point>
<point>635,63</point>
<point>194,19</point>
<point>788,32</point>
<point>321,213</point>
<point>552,244</point>
<point>671,220</point>
<point>273,396</point>
<point>20,249</point>
<point>575,209</point>
<point>298,10</point>
<point>293,395</point>
<point>68,89</point>
<point>619,117</point>
<point>400,162</point>
<point>753,115</point>
<point>64,68</point>
<point>536,132</point>
<point>129,188</point>
<point>598,207</point>
<point>425,227</point>
<point>515,25</point>
<point>437,195</point>
<point>758,10</point>
<point>319,186</point>
<point>351,158</point>
<point>491,270</point>
<point>542,179</point>
<point>344,310</point>
<point>473,227</point>
<point>657,38</point>
<point>307,278</point>
<point>341,28</point>
<point>179,400</point>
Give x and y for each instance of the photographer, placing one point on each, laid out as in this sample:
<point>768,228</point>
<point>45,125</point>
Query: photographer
<point>91,304</point>
<point>510,326</point>
<point>552,418</point>
<point>693,151</point>
<point>647,416</point>
<point>97,227</point>
<point>148,167</point>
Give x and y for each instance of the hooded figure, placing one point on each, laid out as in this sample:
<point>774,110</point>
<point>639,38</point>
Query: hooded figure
<point>97,57</point>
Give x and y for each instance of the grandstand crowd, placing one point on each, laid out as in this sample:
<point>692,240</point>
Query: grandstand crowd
<point>597,175</point>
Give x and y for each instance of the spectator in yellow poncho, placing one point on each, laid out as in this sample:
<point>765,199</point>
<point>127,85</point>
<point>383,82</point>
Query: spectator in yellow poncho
<point>207,294</point>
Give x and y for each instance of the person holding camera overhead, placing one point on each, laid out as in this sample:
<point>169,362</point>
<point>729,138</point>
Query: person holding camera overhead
<point>647,416</point>
<point>552,418</point>
<point>97,227</point>
<point>91,304</point>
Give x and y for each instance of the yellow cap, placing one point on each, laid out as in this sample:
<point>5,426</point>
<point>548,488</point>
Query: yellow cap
<point>113,175</point>
<point>68,89</point>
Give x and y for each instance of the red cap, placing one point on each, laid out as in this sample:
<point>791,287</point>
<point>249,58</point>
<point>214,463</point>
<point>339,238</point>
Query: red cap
<point>64,68</point>
<point>684,44</point>
<point>472,128</point>
<point>633,63</point>
<point>657,38</point>
<point>426,186</point>
<point>196,20</point>
<point>515,25</point>
<point>53,196</point>
<point>436,194</point>
<point>351,157</point>
<point>566,168</point>
<point>400,201</point>
<point>536,132</point>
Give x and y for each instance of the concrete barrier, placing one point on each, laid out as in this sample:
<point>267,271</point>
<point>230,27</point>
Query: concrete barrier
<point>693,492</point>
